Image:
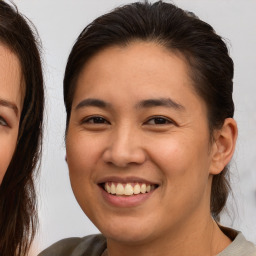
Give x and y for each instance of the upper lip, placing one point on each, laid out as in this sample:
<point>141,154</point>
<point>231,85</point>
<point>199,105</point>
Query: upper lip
<point>130,179</point>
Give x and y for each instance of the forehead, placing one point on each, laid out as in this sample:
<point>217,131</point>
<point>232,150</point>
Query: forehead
<point>11,84</point>
<point>136,66</point>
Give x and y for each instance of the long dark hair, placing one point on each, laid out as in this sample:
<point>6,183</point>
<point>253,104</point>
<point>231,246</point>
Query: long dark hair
<point>18,211</point>
<point>211,67</point>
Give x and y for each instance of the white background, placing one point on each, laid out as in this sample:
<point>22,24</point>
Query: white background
<point>59,22</point>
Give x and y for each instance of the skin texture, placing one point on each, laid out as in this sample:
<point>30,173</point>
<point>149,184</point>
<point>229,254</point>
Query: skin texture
<point>127,143</point>
<point>10,106</point>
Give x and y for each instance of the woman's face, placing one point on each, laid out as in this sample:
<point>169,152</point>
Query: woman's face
<point>139,130</point>
<point>10,106</point>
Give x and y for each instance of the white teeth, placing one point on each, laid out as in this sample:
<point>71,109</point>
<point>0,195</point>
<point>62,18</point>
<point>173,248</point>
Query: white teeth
<point>127,189</point>
<point>143,188</point>
<point>113,188</point>
<point>136,189</point>
<point>108,188</point>
<point>119,189</point>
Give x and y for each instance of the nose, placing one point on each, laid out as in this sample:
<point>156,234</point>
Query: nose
<point>125,147</point>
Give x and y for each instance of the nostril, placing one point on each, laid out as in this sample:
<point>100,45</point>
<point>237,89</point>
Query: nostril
<point>123,158</point>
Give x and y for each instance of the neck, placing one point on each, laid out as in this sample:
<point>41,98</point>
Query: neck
<point>204,239</point>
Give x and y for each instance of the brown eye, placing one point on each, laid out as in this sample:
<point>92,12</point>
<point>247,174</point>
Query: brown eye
<point>95,120</point>
<point>159,121</point>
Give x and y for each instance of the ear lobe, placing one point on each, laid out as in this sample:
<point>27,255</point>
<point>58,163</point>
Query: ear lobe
<point>224,146</point>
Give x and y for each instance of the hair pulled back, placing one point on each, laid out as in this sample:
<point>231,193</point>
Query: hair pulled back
<point>18,215</point>
<point>211,68</point>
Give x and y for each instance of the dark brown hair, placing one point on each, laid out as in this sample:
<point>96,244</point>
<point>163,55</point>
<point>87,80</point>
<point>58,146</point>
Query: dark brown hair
<point>18,212</point>
<point>211,67</point>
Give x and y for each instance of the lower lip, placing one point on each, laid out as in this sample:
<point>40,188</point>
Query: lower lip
<point>126,201</point>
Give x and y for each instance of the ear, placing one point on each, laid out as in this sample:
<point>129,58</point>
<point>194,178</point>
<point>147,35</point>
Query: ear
<point>223,146</point>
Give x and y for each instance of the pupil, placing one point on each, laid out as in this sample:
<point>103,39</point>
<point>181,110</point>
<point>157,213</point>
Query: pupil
<point>98,120</point>
<point>160,121</point>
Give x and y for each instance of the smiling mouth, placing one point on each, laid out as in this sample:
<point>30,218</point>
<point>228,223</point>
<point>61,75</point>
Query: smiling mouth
<point>127,189</point>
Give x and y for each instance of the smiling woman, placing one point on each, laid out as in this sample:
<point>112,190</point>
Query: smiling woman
<point>149,135</point>
<point>21,113</point>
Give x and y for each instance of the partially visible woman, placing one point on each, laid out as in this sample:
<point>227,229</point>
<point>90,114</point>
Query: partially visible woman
<point>21,115</point>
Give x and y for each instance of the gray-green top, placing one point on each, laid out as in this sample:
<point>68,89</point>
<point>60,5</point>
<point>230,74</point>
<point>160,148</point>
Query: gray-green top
<point>95,245</point>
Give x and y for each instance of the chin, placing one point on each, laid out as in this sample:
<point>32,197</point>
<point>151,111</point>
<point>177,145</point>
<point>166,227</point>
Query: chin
<point>130,237</point>
<point>128,231</point>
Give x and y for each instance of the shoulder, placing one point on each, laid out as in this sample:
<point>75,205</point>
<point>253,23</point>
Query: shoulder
<point>93,245</point>
<point>239,247</point>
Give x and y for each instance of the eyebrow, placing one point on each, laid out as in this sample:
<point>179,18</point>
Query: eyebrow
<point>149,103</point>
<point>8,104</point>
<point>161,102</point>
<point>92,103</point>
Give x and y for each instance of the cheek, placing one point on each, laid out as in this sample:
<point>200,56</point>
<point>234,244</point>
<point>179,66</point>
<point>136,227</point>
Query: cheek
<point>82,156</point>
<point>178,153</point>
<point>7,148</point>
<point>184,165</point>
<point>183,160</point>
